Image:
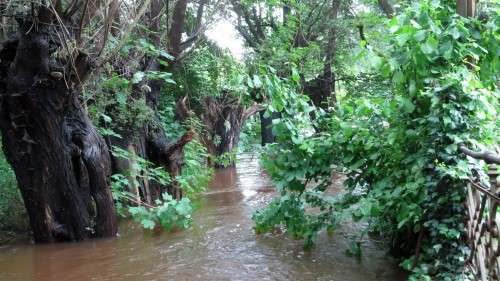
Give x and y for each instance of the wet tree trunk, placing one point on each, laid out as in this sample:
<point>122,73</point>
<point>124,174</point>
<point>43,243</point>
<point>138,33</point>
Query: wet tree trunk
<point>322,89</point>
<point>466,8</point>
<point>266,127</point>
<point>150,141</point>
<point>61,163</point>
<point>162,151</point>
<point>177,27</point>
<point>223,117</point>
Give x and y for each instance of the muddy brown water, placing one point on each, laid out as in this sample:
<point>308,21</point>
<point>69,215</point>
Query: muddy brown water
<point>221,245</point>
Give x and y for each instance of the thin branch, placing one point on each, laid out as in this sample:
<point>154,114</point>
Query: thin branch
<point>112,10</point>
<point>128,29</point>
<point>72,8</point>
<point>82,20</point>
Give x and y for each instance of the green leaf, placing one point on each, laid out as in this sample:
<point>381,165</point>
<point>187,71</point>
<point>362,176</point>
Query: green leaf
<point>295,75</point>
<point>138,76</point>
<point>401,39</point>
<point>430,46</point>
<point>121,98</point>
<point>148,224</point>
<point>166,55</point>
<point>420,35</point>
<point>256,82</point>
<point>250,83</point>
<point>446,49</point>
<point>455,33</point>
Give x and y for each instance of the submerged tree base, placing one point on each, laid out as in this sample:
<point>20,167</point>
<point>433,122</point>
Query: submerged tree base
<point>61,163</point>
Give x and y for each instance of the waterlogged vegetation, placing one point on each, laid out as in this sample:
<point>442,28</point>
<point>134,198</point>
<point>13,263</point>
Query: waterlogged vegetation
<point>356,109</point>
<point>397,146</point>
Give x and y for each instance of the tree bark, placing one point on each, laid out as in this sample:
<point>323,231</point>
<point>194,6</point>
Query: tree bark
<point>151,142</point>
<point>61,163</point>
<point>177,27</point>
<point>386,8</point>
<point>323,87</point>
<point>223,118</point>
<point>161,151</point>
<point>466,8</point>
<point>266,128</point>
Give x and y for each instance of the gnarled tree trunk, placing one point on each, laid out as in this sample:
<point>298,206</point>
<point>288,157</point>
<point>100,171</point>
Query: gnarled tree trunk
<point>152,145</point>
<point>223,118</point>
<point>163,152</point>
<point>61,163</point>
<point>151,142</point>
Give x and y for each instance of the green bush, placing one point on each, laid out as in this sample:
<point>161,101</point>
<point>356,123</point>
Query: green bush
<point>398,145</point>
<point>13,216</point>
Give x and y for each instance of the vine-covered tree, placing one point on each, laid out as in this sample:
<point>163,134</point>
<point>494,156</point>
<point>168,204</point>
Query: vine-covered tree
<point>61,162</point>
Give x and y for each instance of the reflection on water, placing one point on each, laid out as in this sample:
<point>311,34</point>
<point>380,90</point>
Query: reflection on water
<point>221,245</point>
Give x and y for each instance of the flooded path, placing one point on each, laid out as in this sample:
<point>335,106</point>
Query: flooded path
<point>221,245</point>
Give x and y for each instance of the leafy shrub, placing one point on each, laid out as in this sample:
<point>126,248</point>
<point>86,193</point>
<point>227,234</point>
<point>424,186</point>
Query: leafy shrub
<point>196,175</point>
<point>13,216</point>
<point>169,213</point>
<point>398,146</point>
<point>194,178</point>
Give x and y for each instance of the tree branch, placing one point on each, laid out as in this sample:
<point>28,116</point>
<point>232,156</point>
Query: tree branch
<point>488,156</point>
<point>251,111</point>
<point>179,144</point>
<point>175,33</point>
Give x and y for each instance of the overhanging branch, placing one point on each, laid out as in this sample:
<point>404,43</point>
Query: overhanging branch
<point>488,156</point>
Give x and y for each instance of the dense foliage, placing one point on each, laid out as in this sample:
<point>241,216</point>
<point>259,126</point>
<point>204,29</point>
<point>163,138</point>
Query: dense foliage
<point>378,96</point>
<point>398,145</point>
<point>13,216</point>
